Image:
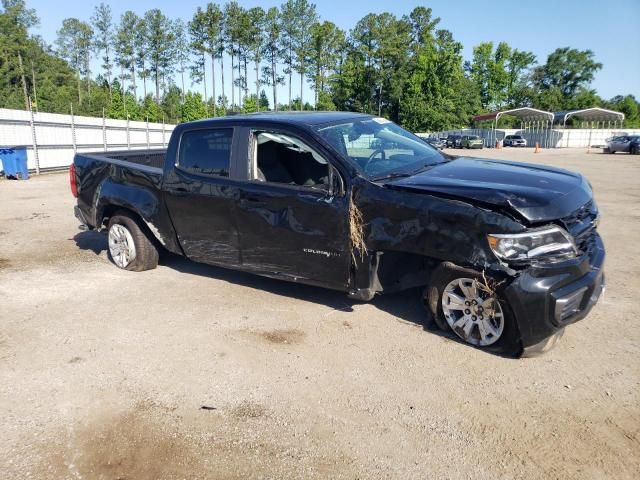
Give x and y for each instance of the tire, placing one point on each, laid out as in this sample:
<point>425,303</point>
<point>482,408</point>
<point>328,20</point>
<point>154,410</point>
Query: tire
<point>124,230</point>
<point>633,150</point>
<point>507,342</point>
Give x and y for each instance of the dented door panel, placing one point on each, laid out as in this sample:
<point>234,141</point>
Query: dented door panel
<point>294,233</point>
<point>203,213</point>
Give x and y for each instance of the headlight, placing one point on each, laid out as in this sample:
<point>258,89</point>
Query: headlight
<point>546,242</point>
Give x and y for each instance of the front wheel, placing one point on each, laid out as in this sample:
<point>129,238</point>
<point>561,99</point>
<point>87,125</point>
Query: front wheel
<point>129,246</point>
<point>467,303</point>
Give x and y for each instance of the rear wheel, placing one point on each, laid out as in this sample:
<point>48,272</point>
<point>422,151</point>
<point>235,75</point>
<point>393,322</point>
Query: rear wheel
<point>129,246</point>
<point>466,303</point>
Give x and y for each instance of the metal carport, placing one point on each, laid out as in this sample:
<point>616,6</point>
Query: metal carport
<point>591,118</point>
<point>535,123</point>
<point>591,115</point>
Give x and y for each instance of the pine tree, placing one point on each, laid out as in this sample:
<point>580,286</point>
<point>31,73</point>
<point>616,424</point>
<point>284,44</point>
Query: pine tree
<point>272,52</point>
<point>74,45</point>
<point>103,23</point>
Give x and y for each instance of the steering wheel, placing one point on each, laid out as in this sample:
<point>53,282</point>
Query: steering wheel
<point>383,157</point>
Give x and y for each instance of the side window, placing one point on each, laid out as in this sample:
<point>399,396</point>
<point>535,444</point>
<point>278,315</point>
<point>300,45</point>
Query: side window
<point>206,151</point>
<point>282,158</point>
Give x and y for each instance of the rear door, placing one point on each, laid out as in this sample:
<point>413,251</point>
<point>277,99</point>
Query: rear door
<point>201,191</point>
<point>291,223</point>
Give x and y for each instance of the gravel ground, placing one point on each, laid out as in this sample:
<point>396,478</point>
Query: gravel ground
<point>190,371</point>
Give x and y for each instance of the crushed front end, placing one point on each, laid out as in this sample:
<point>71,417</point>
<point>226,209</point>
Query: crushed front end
<point>549,295</point>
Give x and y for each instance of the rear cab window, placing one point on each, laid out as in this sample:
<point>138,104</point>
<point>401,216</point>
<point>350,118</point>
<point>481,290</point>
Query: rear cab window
<point>206,151</point>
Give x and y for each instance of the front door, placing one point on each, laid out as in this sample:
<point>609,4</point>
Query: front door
<point>291,223</point>
<point>201,196</point>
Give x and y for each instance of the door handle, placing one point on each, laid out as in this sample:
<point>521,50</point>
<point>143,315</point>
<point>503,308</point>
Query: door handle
<point>180,192</point>
<point>252,200</point>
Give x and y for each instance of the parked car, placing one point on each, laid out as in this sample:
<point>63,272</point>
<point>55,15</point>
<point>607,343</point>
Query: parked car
<point>454,141</point>
<point>508,255</point>
<point>514,141</point>
<point>624,143</point>
<point>436,142</point>
<point>472,141</point>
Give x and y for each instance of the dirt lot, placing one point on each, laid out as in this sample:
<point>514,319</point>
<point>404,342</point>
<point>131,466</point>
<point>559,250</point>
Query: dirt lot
<point>191,371</point>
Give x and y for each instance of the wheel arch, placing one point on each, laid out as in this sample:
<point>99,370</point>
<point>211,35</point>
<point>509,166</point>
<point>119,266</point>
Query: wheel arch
<point>498,281</point>
<point>143,204</point>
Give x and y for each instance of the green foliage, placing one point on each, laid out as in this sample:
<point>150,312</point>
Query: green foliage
<point>296,104</point>
<point>160,41</point>
<point>628,105</point>
<point>103,23</point>
<point>250,104</point>
<point>567,73</point>
<point>327,41</point>
<point>325,102</point>
<point>172,104</point>
<point>151,110</point>
<point>206,30</point>
<point>74,45</point>
<point>193,107</point>
<point>569,70</point>
<point>123,106</point>
<point>272,52</point>
<point>125,47</point>
<point>501,75</point>
<point>263,101</point>
<point>404,68</point>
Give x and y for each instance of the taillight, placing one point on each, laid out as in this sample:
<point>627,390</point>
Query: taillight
<point>72,180</point>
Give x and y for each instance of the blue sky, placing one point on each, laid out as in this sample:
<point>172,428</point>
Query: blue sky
<point>610,29</point>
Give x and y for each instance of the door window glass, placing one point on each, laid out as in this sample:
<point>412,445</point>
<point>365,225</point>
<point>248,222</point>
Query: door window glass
<point>282,158</point>
<point>206,151</point>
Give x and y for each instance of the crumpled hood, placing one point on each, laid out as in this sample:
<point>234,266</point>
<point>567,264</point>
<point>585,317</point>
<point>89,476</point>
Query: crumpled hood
<point>538,193</point>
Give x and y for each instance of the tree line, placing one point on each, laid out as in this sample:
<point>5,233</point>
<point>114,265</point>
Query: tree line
<point>405,68</point>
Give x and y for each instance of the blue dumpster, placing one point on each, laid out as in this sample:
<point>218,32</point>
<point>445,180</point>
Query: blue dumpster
<point>14,162</point>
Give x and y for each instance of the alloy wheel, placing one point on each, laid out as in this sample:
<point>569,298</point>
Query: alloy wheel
<point>121,245</point>
<point>473,312</point>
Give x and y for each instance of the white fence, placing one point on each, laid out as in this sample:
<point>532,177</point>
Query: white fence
<point>51,139</point>
<point>546,138</point>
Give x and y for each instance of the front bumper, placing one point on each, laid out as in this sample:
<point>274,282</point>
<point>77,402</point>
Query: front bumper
<point>546,298</point>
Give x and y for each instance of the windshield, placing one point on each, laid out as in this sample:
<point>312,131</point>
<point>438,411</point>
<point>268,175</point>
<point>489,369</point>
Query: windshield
<point>380,148</point>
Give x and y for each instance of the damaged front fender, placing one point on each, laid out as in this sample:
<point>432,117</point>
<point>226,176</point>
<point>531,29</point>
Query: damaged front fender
<point>427,225</point>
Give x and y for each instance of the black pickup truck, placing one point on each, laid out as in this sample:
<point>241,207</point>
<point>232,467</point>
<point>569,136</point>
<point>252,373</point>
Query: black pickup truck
<point>508,253</point>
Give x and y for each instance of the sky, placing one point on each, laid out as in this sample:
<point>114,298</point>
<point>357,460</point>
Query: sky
<point>610,30</point>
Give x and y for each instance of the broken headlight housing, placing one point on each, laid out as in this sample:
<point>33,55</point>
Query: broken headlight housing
<point>549,243</point>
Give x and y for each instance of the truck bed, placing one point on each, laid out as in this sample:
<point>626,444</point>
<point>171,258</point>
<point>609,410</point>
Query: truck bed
<point>130,174</point>
<point>150,158</point>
